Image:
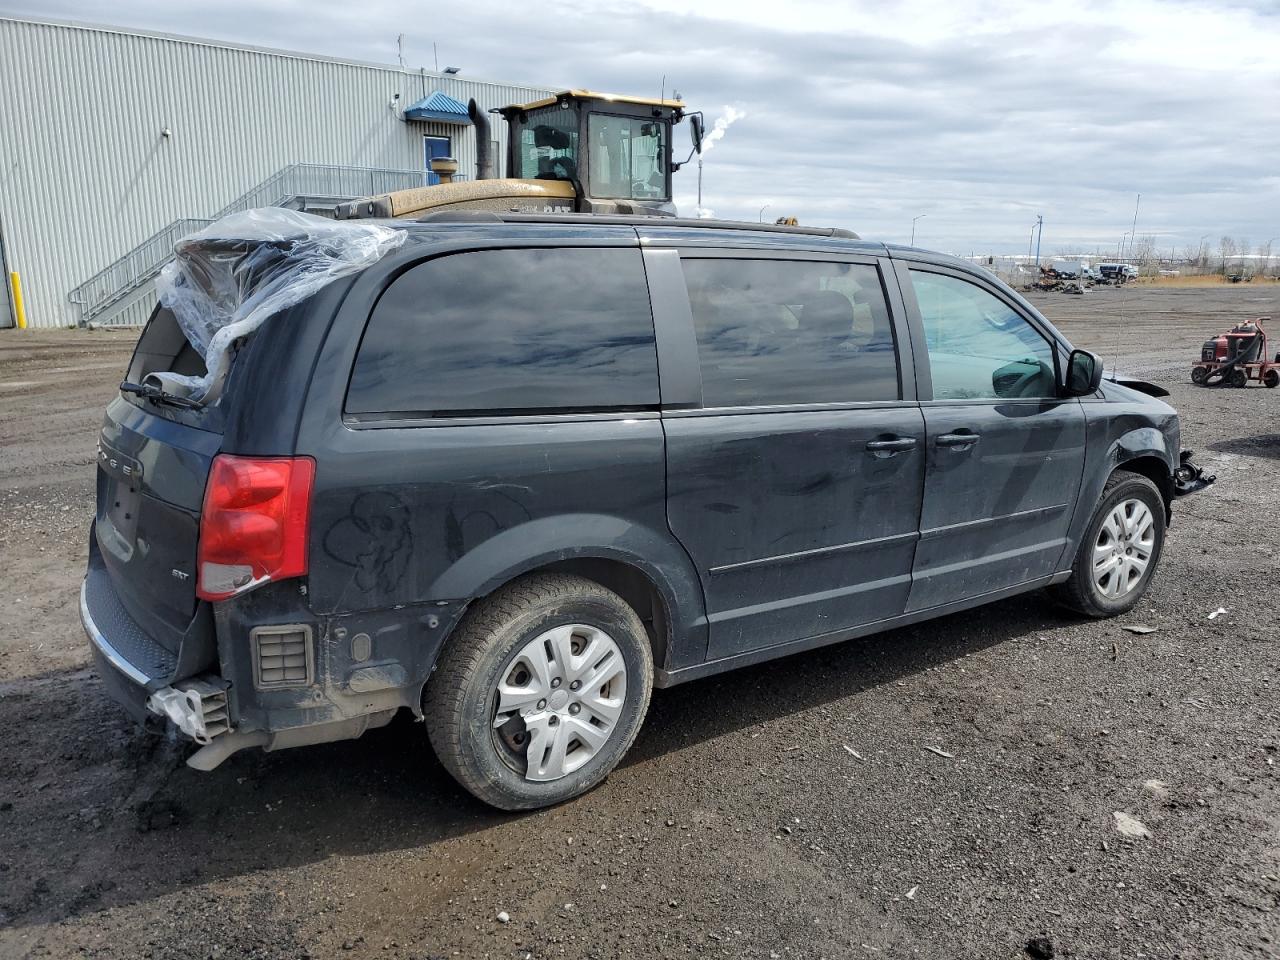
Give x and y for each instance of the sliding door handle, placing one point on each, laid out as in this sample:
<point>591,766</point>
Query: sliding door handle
<point>957,439</point>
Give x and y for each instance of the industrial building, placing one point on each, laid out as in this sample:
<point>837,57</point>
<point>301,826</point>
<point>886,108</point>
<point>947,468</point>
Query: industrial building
<point>115,143</point>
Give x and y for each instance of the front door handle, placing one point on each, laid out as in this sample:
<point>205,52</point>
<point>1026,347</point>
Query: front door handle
<point>889,447</point>
<point>957,439</point>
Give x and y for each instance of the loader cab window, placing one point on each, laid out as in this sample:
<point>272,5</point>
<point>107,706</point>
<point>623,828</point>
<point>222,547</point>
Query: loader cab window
<point>548,144</point>
<point>628,157</point>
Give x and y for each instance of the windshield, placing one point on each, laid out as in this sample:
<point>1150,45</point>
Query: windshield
<point>627,157</point>
<point>548,145</point>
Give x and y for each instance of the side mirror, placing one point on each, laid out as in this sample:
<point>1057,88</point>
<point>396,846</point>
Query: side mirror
<point>1084,373</point>
<point>696,131</point>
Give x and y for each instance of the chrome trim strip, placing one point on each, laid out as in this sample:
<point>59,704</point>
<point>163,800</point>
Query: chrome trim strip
<point>114,657</point>
<point>932,533</point>
<point>819,551</point>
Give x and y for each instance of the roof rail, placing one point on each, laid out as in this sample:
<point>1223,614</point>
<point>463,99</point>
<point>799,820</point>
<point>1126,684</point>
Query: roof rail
<point>631,220</point>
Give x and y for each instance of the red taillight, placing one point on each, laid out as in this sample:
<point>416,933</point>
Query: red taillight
<point>253,526</point>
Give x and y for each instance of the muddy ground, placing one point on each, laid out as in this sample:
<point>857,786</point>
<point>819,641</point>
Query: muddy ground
<point>741,825</point>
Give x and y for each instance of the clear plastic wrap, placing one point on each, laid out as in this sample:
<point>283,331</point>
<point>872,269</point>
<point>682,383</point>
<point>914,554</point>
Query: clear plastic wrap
<point>226,280</point>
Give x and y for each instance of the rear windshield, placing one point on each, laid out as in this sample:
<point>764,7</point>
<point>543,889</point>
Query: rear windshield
<point>164,348</point>
<point>510,331</point>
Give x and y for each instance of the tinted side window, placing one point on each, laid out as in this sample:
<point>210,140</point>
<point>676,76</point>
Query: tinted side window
<point>510,330</point>
<point>789,331</point>
<point>979,347</point>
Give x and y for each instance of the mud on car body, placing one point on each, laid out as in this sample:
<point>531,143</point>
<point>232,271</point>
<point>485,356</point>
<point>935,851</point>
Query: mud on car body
<point>519,470</point>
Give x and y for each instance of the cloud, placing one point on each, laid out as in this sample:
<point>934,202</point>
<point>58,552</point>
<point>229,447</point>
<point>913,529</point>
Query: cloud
<point>980,115</point>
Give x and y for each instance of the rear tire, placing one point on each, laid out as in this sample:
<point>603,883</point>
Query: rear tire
<point>1271,379</point>
<point>519,649</point>
<point>1199,375</point>
<point>1239,378</point>
<point>1105,579</point>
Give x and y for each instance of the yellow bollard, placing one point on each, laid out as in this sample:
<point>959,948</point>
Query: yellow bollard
<point>19,314</point>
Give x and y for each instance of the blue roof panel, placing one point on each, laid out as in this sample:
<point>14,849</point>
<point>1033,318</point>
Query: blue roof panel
<point>439,107</point>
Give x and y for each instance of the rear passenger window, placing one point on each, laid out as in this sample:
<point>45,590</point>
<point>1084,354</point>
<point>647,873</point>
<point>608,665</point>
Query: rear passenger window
<point>790,331</point>
<point>510,331</point>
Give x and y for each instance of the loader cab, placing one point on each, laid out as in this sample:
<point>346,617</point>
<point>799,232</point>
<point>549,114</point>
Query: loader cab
<point>616,151</point>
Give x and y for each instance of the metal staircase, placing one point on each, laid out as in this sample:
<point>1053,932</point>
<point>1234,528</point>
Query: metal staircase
<point>315,188</point>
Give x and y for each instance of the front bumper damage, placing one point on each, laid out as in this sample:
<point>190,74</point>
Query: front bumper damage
<point>1189,478</point>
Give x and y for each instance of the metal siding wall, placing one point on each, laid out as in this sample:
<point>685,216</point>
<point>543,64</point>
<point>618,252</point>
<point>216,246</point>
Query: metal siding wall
<point>85,174</point>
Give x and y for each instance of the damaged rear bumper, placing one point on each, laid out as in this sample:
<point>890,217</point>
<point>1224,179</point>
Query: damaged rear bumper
<point>1189,478</point>
<point>138,674</point>
<point>137,671</point>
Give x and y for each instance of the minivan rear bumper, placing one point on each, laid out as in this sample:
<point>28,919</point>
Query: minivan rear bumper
<point>137,671</point>
<point>129,662</point>
<point>148,681</point>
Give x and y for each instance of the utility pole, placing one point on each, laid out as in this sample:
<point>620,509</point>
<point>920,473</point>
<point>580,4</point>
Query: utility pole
<point>1039,234</point>
<point>699,185</point>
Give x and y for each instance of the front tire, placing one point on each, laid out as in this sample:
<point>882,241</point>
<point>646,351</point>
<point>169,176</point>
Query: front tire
<point>1119,551</point>
<point>540,692</point>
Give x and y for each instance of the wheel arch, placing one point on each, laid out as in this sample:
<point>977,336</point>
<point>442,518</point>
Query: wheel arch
<point>1155,469</point>
<point>650,571</point>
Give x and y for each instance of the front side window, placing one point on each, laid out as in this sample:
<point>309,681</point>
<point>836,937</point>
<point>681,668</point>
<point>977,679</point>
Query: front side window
<point>627,157</point>
<point>548,145</point>
<point>510,331</point>
<point>790,331</point>
<point>980,348</point>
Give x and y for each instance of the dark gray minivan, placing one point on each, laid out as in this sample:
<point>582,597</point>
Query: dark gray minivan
<point>522,469</point>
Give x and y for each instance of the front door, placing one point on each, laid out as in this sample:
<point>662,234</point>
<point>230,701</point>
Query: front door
<point>433,147</point>
<point>795,486</point>
<point>1005,455</point>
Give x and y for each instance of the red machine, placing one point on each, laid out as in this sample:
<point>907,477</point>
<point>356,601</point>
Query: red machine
<point>1236,357</point>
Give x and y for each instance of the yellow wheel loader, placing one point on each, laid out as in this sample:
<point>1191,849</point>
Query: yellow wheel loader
<point>572,152</point>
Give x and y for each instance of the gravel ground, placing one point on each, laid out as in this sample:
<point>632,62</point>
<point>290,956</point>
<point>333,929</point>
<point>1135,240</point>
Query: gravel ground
<point>954,789</point>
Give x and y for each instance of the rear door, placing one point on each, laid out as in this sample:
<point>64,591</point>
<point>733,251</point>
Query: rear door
<point>1005,454</point>
<point>153,461</point>
<point>795,468</point>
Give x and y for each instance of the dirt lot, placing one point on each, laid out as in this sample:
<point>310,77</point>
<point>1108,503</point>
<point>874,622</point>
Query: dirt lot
<point>740,826</point>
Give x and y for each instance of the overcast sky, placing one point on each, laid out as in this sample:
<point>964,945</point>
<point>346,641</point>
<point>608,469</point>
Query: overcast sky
<point>978,116</point>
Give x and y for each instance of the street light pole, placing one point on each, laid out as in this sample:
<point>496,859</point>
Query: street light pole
<point>1133,234</point>
<point>760,219</point>
<point>1039,234</point>
<point>913,228</point>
